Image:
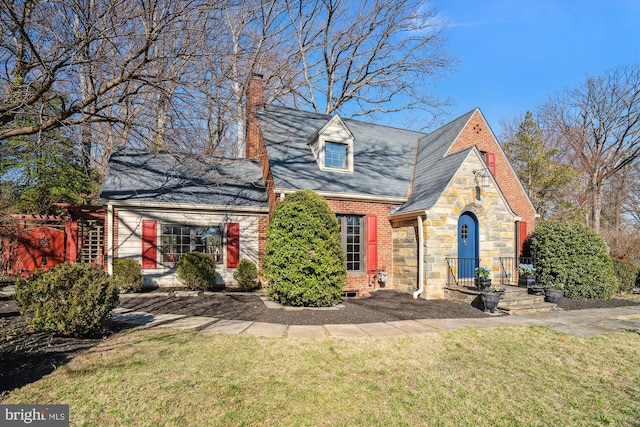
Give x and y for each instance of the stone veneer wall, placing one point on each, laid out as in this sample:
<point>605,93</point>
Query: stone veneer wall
<point>405,255</point>
<point>496,225</point>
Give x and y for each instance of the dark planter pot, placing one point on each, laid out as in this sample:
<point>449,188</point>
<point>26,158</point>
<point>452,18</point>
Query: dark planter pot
<point>552,295</point>
<point>535,290</point>
<point>490,301</point>
<point>483,284</point>
<point>526,281</point>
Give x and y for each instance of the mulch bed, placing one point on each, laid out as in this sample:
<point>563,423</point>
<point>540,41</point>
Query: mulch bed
<point>26,356</point>
<point>383,306</point>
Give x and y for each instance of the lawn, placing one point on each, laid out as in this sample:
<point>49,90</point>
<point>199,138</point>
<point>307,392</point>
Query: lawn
<point>511,376</point>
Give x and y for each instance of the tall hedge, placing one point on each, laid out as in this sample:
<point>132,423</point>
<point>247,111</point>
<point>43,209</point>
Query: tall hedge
<point>574,257</point>
<point>304,261</point>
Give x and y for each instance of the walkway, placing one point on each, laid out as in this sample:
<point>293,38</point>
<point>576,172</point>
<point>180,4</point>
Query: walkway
<point>583,323</point>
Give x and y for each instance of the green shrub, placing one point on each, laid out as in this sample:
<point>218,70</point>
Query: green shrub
<point>575,256</point>
<point>70,299</point>
<point>246,275</point>
<point>127,275</point>
<point>627,274</point>
<point>304,261</point>
<point>197,271</point>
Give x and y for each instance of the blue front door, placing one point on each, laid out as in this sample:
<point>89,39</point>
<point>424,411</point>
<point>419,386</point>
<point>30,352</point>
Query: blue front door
<point>468,247</point>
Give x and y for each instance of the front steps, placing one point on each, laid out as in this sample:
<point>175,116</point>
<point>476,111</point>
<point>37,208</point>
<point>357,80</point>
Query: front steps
<point>515,300</point>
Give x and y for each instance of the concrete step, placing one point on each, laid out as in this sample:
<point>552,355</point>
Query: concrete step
<point>517,300</point>
<point>521,309</point>
<point>521,299</point>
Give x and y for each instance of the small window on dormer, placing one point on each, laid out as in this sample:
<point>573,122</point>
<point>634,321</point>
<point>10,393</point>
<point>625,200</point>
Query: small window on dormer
<point>335,155</point>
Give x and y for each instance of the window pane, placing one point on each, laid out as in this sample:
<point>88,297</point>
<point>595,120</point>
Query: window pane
<point>350,230</point>
<point>175,242</point>
<point>208,240</point>
<point>335,156</point>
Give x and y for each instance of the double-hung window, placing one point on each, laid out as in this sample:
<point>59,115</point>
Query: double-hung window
<point>177,240</point>
<point>335,155</point>
<point>351,233</point>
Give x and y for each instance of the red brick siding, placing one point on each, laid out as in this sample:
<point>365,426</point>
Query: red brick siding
<point>254,142</point>
<point>477,133</point>
<point>362,281</point>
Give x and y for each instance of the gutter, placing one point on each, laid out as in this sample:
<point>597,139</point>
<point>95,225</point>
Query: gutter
<point>420,290</point>
<point>348,196</point>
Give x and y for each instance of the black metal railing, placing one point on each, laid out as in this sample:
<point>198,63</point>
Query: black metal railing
<point>509,269</point>
<point>461,271</point>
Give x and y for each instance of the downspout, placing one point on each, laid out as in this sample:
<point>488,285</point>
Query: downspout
<point>417,293</point>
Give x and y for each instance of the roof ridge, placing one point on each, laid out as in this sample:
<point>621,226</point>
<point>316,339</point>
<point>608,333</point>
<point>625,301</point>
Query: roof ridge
<point>347,119</point>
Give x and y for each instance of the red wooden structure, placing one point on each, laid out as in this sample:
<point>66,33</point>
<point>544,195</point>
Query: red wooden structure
<point>45,241</point>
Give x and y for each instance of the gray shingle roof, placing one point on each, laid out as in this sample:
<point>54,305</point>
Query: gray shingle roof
<point>383,156</point>
<point>139,176</point>
<point>434,169</point>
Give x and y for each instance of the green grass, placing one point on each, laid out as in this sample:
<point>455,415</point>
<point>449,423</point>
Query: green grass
<point>509,377</point>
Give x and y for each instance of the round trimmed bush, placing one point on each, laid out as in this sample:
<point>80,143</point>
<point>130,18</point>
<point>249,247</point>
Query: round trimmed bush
<point>246,275</point>
<point>627,274</point>
<point>127,275</point>
<point>304,261</point>
<point>70,299</point>
<point>575,256</point>
<point>197,271</point>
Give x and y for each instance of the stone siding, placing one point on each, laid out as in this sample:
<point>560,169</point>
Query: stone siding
<point>405,256</point>
<point>495,222</point>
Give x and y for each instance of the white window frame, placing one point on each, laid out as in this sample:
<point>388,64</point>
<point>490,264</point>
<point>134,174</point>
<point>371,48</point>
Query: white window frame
<point>172,258</point>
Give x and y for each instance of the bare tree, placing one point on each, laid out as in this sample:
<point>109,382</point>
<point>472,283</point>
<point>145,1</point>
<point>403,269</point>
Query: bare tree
<point>599,122</point>
<point>376,54</point>
<point>72,62</point>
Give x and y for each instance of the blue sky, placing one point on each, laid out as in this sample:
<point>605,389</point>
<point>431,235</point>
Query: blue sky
<point>513,55</point>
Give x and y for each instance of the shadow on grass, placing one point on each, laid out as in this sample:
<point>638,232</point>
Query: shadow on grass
<point>27,356</point>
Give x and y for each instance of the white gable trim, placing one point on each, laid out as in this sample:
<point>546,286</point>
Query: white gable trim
<point>335,131</point>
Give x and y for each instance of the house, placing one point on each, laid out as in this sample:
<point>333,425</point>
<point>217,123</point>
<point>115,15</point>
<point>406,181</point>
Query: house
<point>417,211</point>
<point>162,205</point>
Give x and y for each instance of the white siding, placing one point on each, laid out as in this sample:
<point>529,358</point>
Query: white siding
<point>129,244</point>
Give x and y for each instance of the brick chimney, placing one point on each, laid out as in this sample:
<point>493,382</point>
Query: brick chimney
<point>255,103</point>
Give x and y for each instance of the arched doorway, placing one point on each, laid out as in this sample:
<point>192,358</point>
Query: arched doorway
<point>468,245</point>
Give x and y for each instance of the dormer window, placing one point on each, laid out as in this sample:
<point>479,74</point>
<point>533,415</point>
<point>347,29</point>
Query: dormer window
<point>335,155</point>
<point>332,146</point>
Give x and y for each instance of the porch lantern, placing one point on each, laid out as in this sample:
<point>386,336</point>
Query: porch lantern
<point>481,176</point>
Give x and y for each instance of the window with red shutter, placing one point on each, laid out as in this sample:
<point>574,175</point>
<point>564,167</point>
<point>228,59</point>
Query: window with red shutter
<point>233,244</point>
<point>522,231</point>
<point>490,158</point>
<point>149,245</point>
<point>372,242</point>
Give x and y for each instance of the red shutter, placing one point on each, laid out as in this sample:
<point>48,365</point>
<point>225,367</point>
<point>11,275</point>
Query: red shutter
<point>491,163</point>
<point>522,231</point>
<point>372,242</point>
<point>233,244</point>
<point>149,249</point>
